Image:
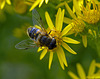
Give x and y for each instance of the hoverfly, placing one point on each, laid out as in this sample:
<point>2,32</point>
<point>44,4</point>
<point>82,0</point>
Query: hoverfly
<point>38,36</point>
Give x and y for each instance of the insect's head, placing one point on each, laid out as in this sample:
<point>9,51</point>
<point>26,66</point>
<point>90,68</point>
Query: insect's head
<point>30,30</point>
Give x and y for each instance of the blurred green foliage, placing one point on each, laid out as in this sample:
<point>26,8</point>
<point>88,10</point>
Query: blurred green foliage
<point>25,64</point>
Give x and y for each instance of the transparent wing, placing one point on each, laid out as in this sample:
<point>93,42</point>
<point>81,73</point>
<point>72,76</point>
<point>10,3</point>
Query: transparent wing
<point>25,44</point>
<point>37,20</point>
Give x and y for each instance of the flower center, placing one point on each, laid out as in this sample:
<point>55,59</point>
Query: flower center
<point>91,16</point>
<point>78,26</point>
<point>57,36</point>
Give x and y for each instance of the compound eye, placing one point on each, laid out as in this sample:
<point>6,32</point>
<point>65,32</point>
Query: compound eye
<point>28,30</point>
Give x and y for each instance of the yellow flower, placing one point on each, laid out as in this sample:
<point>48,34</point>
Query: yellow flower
<point>81,73</point>
<point>89,15</point>
<point>78,26</point>
<point>20,6</point>
<point>20,32</point>
<point>40,2</point>
<point>59,35</point>
<point>3,2</point>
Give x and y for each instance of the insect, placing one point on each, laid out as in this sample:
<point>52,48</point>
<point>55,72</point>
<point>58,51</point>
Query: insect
<point>38,36</point>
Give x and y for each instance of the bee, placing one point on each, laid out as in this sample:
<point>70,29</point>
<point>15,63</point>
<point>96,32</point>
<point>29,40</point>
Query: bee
<point>38,35</point>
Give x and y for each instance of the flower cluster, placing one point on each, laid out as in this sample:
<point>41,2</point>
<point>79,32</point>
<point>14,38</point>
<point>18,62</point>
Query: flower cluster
<point>91,72</point>
<point>82,19</point>
<point>85,19</point>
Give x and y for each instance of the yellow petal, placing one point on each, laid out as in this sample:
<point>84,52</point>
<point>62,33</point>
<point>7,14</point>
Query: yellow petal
<point>91,68</point>
<point>28,3</point>
<point>50,59</point>
<point>62,54</point>
<point>69,40</point>
<point>8,2</point>
<point>70,11</point>
<point>72,75</point>
<point>61,4</point>
<point>2,4</point>
<point>43,53</point>
<point>94,76</point>
<point>98,65</point>
<point>66,29</point>
<point>58,19</point>
<point>34,5</point>
<point>77,5</point>
<point>67,20</point>
<point>68,48</point>
<point>84,39</point>
<point>61,20</point>
<point>49,21</point>
<point>81,72</point>
<point>60,60</point>
<point>46,1</point>
<point>41,3</point>
<point>92,32</point>
<point>39,49</point>
<point>73,9</point>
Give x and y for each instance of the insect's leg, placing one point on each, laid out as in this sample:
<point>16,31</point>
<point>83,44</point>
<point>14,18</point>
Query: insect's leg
<point>54,36</point>
<point>51,31</point>
<point>48,33</point>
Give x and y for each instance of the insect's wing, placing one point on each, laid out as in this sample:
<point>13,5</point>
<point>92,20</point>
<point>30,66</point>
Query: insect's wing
<point>37,20</point>
<point>25,44</point>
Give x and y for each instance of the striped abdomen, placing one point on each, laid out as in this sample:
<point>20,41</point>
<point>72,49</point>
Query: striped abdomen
<point>47,41</point>
<point>34,33</point>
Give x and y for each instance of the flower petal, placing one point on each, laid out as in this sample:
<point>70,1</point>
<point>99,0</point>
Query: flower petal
<point>39,49</point>
<point>67,20</point>
<point>68,48</point>
<point>49,21</point>
<point>69,40</point>
<point>95,76</point>
<point>2,4</point>
<point>34,4</point>
<point>58,18</point>
<point>62,54</point>
<point>46,1</point>
<point>59,5</point>
<point>60,60</point>
<point>61,20</point>
<point>70,11</point>
<point>72,75</point>
<point>92,32</point>
<point>84,39</point>
<point>77,6</point>
<point>91,68</point>
<point>50,59</point>
<point>66,29</point>
<point>81,72</point>
<point>97,65</point>
<point>41,3</point>
<point>43,53</point>
<point>8,2</point>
